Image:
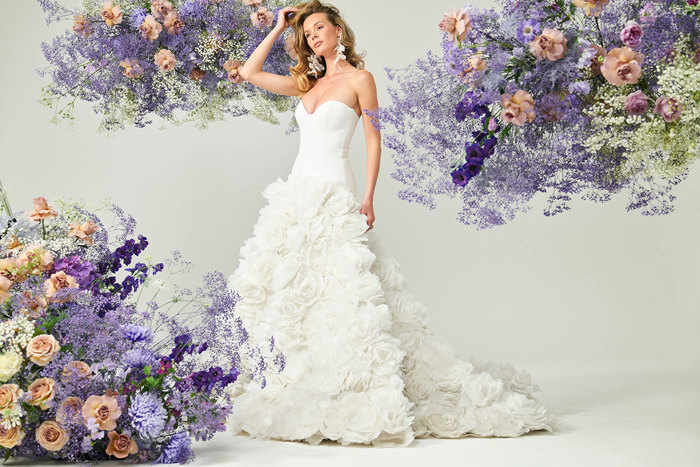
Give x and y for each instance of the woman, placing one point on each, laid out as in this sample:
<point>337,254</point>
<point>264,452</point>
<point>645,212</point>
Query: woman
<point>361,364</point>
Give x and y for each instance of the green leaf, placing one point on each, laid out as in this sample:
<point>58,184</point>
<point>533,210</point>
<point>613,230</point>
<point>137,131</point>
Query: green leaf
<point>151,381</point>
<point>147,370</point>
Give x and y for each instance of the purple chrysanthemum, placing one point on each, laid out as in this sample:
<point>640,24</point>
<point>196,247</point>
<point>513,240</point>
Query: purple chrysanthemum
<point>177,451</point>
<point>147,415</point>
<point>136,333</point>
<point>139,358</point>
<point>527,31</point>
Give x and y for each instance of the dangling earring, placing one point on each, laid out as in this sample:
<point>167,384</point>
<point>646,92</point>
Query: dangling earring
<point>315,65</point>
<point>340,48</point>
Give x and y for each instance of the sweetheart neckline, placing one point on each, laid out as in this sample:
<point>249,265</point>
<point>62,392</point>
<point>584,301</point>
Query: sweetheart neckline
<point>326,102</point>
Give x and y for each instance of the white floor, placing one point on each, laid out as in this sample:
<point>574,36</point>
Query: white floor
<point>626,413</point>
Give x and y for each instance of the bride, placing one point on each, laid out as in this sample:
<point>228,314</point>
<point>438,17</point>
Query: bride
<point>362,366</point>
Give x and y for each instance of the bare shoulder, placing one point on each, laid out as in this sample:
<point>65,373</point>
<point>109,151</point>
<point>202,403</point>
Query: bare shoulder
<point>363,78</point>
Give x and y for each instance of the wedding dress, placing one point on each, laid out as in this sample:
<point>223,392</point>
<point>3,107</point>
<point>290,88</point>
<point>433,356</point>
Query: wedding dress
<point>362,366</point>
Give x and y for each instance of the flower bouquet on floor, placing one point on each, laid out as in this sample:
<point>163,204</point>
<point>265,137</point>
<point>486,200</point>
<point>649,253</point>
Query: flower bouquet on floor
<point>136,59</point>
<point>86,372</point>
<point>585,98</point>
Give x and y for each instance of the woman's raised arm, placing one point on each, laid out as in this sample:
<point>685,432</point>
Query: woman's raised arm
<point>251,71</point>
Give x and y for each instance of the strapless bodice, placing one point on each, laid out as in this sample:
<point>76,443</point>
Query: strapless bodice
<point>325,137</point>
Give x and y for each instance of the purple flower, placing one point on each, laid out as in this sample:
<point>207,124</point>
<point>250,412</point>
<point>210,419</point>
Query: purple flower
<point>177,450</point>
<point>637,103</point>
<point>147,415</point>
<point>631,34</point>
<point>136,333</point>
<point>137,17</point>
<point>579,87</point>
<point>472,168</point>
<point>527,31</point>
<point>139,358</point>
<point>668,107</point>
<point>647,15</point>
<point>692,2</point>
<point>82,271</point>
<point>460,177</point>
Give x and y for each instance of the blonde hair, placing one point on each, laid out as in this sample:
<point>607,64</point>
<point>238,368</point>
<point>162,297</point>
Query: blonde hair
<point>299,72</point>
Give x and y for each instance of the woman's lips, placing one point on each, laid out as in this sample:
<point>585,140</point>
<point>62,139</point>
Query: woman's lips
<point>317,44</point>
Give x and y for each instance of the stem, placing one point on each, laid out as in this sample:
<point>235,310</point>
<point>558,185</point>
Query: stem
<point>600,34</point>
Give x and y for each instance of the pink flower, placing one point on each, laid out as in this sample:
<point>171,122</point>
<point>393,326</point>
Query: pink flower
<point>517,108</point>
<point>165,60</point>
<point>647,15</point>
<point>173,23</point>
<point>132,69</point>
<point>42,210</point>
<point>632,34</point>
<point>622,66</point>
<point>88,227</point>
<point>150,28</point>
<point>456,24</point>
<point>262,18</point>
<point>669,108</point>
<point>637,103</point>
<point>551,44</point>
<point>111,14</point>
<point>161,8</point>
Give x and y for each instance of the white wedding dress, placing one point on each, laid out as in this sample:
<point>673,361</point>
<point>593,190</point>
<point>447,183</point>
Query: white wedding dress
<point>362,366</point>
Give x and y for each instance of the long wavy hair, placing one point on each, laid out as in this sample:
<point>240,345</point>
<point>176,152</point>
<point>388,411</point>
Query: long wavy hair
<point>299,72</point>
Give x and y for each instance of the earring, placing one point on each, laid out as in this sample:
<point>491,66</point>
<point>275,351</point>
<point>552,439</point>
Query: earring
<point>315,65</point>
<point>340,48</point>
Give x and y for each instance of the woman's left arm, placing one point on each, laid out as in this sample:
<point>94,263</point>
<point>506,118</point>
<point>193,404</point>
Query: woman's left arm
<point>367,98</point>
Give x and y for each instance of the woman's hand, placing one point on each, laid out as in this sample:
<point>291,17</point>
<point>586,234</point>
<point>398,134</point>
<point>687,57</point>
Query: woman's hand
<point>282,17</point>
<point>368,210</point>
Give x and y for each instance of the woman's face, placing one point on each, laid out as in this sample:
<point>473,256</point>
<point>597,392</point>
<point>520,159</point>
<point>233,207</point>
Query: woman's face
<point>320,34</point>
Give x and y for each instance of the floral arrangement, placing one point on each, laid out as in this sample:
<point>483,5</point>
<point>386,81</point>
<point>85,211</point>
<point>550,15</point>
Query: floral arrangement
<point>587,98</point>
<point>136,59</point>
<point>88,374</point>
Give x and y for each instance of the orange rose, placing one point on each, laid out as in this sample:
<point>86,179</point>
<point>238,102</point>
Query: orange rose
<point>165,60</point>
<point>111,14</point>
<point>57,281</point>
<point>622,66</point>
<point>161,8</point>
<point>41,391</point>
<point>517,108</point>
<point>12,437</point>
<point>9,394</point>
<point>104,409</point>
<point>75,370</point>
<point>592,7</point>
<point>121,446</point>
<point>42,210</point>
<point>51,435</point>
<point>42,349</point>
<point>173,23</point>
<point>41,259</point>
<point>88,228</point>
<point>551,44</point>
<point>150,28</point>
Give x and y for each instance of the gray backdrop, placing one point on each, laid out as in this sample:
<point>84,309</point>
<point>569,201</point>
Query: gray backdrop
<point>591,285</point>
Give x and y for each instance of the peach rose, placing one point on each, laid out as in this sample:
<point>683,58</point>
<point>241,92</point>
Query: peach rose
<point>173,23</point>
<point>41,391</point>
<point>517,108</point>
<point>51,435</point>
<point>57,281</point>
<point>120,446</point>
<point>622,66</point>
<point>289,45</point>
<point>456,24</point>
<point>42,210</point>
<point>69,411</point>
<point>75,370</point>
<point>111,14</point>
<point>476,63</point>
<point>42,349</point>
<point>104,409</point>
<point>592,7</point>
<point>233,68</point>
<point>41,259</point>
<point>9,394</point>
<point>262,18</point>
<point>12,437</point>
<point>132,69</point>
<point>150,28</point>
<point>5,285</point>
<point>165,60</point>
<point>88,227</point>
<point>551,44</point>
<point>81,25</point>
<point>161,8</point>
<point>196,74</point>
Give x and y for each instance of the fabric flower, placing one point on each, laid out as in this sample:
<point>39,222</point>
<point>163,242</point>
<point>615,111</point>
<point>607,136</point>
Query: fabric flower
<point>233,68</point>
<point>88,227</point>
<point>165,60</point>
<point>11,437</point>
<point>10,363</point>
<point>42,210</point>
<point>103,409</point>
<point>9,395</point>
<point>631,34</point>
<point>42,349</point>
<point>456,24</point>
<point>69,411</point>
<point>120,445</point>
<point>637,103</point>
<point>622,66</point>
<point>262,18</point>
<point>148,415</point>
<point>150,28</point>
<point>592,7</point>
<point>668,108</point>
<point>173,23</point>
<point>58,281</point>
<point>517,108</point>
<point>161,8</point>
<point>41,391</point>
<point>551,44</point>
<point>132,69</point>
<point>81,25</point>
<point>111,14</point>
<point>51,435</point>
